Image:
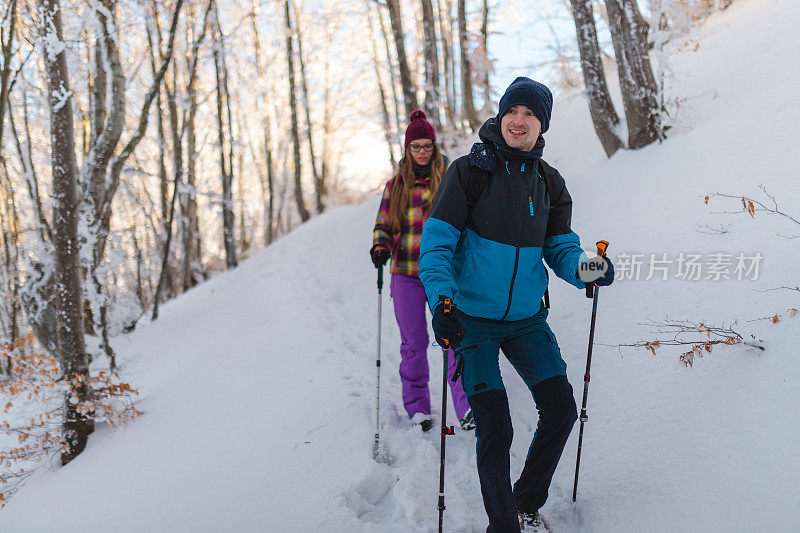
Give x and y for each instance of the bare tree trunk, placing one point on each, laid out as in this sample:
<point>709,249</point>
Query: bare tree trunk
<point>639,90</point>
<point>106,124</point>
<point>245,229</point>
<point>191,226</point>
<point>10,224</point>
<point>269,222</point>
<point>447,60</point>
<point>140,294</point>
<point>5,73</point>
<point>225,170</point>
<point>192,241</point>
<point>106,130</point>
<point>177,163</point>
<point>466,71</point>
<point>432,80</point>
<point>326,128</point>
<point>231,140</point>
<point>319,182</point>
<point>69,296</point>
<point>173,118</point>
<point>9,220</point>
<point>298,185</point>
<point>270,229</point>
<point>284,222</point>
<point>455,80</point>
<point>228,219</point>
<point>604,116</point>
<point>177,159</point>
<point>167,242</point>
<point>487,91</point>
<point>162,167</point>
<point>387,124</point>
<point>409,89</point>
<point>398,117</point>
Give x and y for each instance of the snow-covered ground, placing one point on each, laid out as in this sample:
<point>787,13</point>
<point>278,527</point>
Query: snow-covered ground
<point>259,386</point>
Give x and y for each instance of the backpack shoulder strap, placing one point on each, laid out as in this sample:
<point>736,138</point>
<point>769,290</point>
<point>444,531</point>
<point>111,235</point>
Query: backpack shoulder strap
<point>542,168</point>
<point>475,185</point>
<point>482,162</point>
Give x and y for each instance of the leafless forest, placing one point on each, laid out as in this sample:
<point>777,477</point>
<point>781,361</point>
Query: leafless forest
<point>146,145</point>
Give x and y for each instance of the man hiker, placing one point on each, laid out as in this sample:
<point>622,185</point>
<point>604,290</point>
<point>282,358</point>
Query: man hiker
<point>498,212</point>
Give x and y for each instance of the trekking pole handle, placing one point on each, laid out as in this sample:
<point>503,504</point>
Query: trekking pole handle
<point>602,246</point>
<point>448,308</point>
<point>380,279</point>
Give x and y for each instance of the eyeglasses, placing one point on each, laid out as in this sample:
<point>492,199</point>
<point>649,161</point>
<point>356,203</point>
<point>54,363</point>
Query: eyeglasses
<point>421,147</point>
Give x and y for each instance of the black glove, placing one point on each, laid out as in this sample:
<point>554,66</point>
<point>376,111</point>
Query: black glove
<point>608,277</point>
<point>379,256</point>
<point>447,326</point>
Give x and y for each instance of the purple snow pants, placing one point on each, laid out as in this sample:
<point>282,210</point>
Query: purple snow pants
<point>409,308</point>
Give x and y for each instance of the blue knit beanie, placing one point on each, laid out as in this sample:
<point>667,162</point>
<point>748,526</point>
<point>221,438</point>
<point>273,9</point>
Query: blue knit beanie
<point>533,95</point>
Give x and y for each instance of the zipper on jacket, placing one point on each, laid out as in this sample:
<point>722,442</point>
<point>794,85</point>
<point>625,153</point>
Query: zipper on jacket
<point>529,191</point>
<point>511,288</point>
<point>516,255</point>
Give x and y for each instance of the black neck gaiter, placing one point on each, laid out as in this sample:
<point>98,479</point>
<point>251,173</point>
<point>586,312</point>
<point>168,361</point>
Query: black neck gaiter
<point>422,171</point>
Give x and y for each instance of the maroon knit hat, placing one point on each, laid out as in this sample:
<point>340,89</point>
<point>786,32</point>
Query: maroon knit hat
<point>419,128</point>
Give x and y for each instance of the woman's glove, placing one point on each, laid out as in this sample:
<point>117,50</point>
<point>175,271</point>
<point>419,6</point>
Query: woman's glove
<point>379,256</point>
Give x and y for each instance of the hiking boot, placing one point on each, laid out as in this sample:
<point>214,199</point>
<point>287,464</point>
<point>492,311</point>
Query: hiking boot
<point>468,422</point>
<point>426,424</point>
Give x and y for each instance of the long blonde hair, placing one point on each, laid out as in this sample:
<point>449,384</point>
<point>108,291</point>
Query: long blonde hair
<point>403,182</point>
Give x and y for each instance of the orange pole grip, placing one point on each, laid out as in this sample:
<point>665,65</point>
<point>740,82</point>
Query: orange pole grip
<point>448,308</point>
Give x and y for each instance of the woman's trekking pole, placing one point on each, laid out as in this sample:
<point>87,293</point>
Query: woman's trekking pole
<point>591,292</point>
<point>445,429</point>
<point>376,444</point>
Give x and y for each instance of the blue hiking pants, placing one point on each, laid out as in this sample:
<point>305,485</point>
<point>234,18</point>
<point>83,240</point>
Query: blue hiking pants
<point>532,349</point>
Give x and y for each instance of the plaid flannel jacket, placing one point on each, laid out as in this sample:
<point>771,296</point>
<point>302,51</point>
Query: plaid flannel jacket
<point>405,244</point>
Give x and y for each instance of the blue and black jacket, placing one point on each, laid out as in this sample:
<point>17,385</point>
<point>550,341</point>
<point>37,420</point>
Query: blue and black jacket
<point>488,257</point>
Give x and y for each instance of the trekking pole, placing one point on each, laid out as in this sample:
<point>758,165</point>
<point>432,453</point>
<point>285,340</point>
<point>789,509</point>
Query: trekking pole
<point>445,430</point>
<point>591,292</point>
<point>376,444</point>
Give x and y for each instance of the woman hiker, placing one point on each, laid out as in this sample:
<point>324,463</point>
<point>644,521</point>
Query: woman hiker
<point>405,205</point>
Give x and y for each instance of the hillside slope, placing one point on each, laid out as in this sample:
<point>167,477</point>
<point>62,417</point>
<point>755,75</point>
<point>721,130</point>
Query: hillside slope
<point>259,386</point>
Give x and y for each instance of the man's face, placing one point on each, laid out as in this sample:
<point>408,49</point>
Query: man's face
<point>520,128</point>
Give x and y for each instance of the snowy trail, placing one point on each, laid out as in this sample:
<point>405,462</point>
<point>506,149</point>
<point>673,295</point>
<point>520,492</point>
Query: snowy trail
<point>259,386</point>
